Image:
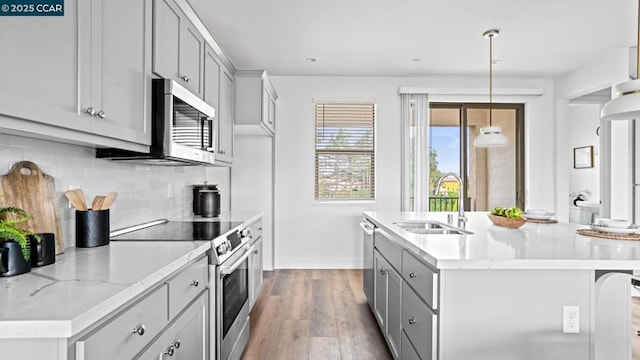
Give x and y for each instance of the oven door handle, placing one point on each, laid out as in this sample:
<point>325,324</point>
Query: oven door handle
<point>228,270</point>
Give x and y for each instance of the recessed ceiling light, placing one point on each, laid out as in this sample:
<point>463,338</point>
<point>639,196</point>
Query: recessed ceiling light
<point>311,60</point>
<point>415,59</point>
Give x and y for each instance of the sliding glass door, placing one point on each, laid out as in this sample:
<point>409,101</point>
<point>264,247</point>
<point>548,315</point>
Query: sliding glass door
<point>492,176</point>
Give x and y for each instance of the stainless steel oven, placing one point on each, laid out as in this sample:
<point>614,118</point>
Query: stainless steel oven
<point>232,296</point>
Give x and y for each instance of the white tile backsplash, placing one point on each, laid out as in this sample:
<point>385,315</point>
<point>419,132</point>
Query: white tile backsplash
<point>144,192</point>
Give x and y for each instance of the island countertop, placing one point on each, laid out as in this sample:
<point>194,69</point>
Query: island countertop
<point>532,246</point>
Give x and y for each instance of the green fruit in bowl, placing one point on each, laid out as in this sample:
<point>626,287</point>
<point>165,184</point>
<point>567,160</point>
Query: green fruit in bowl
<point>512,213</point>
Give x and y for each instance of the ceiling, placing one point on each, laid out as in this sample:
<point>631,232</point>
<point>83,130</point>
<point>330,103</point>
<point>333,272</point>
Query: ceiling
<point>538,38</point>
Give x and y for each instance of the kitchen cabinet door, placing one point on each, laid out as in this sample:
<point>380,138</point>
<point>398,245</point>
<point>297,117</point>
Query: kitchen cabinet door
<point>185,339</point>
<point>225,119</point>
<point>381,268</point>
<point>116,88</point>
<point>191,57</point>
<point>255,272</point>
<point>255,102</point>
<point>39,71</point>
<point>388,302</point>
<point>211,82</point>
<point>178,47</point>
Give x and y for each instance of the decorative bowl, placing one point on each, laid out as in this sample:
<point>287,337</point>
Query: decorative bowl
<point>506,222</point>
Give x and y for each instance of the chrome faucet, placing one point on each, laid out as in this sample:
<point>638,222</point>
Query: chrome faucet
<point>461,218</point>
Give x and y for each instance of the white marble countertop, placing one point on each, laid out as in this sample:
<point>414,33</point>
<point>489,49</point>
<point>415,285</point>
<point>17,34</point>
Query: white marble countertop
<point>532,246</point>
<point>85,285</point>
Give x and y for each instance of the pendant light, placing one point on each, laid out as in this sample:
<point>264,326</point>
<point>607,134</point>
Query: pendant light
<point>490,136</point>
<point>627,105</point>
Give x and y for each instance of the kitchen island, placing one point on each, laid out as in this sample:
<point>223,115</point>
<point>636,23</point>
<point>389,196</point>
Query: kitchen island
<point>537,292</point>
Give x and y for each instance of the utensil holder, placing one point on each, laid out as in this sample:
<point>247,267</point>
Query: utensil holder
<point>92,228</point>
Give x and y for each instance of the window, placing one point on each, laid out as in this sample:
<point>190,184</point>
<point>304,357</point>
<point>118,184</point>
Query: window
<point>345,151</point>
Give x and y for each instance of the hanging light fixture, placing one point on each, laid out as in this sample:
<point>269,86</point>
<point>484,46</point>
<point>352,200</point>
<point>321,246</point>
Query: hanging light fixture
<point>490,136</point>
<point>627,105</point>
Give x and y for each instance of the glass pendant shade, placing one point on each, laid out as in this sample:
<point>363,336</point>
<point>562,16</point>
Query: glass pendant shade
<point>490,136</point>
<point>626,106</point>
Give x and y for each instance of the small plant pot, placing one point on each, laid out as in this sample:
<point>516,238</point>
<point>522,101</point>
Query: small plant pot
<point>12,261</point>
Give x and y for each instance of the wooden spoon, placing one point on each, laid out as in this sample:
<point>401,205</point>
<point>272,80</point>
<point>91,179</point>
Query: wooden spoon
<point>80,196</point>
<point>97,202</point>
<point>108,200</point>
<point>74,199</point>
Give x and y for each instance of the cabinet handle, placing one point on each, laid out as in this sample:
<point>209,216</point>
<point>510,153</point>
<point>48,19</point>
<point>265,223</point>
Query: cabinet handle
<point>195,283</point>
<point>101,114</point>
<point>139,330</point>
<point>222,152</point>
<point>412,320</point>
<point>170,350</point>
<point>91,111</point>
<point>176,344</point>
<point>256,252</point>
<point>186,78</point>
<point>413,275</point>
<point>383,271</point>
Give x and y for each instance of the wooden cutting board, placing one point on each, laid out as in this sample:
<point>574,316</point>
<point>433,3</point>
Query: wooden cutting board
<point>28,188</point>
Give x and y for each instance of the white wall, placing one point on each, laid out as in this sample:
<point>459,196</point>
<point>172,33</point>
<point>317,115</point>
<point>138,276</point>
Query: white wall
<point>320,235</point>
<point>615,180</point>
<point>144,192</point>
<point>584,119</point>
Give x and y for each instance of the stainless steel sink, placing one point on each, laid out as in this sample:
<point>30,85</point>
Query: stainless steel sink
<point>428,227</point>
<point>438,231</point>
<point>419,225</point>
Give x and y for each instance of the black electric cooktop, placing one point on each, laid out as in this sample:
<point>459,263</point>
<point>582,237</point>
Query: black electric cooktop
<point>180,231</point>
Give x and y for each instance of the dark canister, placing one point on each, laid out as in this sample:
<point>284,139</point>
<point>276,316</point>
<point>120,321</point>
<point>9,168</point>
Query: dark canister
<point>210,203</point>
<point>12,261</point>
<point>197,202</point>
<point>43,252</point>
<point>92,228</point>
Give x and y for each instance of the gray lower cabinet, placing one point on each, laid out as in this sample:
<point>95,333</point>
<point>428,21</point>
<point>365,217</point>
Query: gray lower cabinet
<point>172,314</point>
<point>255,263</point>
<point>419,323</point>
<point>387,302</point>
<point>185,338</point>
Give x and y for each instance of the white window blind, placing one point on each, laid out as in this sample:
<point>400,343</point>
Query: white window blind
<point>345,151</point>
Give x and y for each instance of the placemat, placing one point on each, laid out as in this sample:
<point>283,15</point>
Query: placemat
<point>588,232</point>
<point>542,221</point>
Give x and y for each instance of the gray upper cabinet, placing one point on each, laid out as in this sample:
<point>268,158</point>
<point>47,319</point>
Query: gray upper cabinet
<point>255,103</point>
<point>219,93</point>
<point>114,87</point>
<point>41,88</point>
<point>77,85</point>
<point>178,47</point>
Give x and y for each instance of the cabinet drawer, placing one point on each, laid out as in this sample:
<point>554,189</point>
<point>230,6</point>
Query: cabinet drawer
<point>408,352</point>
<point>186,286</point>
<point>419,323</point>
<point>388,248</point>
<point>128,332</point>
<point>421,277</point>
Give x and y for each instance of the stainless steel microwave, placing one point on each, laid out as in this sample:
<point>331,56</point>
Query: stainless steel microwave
<point>183,129</point>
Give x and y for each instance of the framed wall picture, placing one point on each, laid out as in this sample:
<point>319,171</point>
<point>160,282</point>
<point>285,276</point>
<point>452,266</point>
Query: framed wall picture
<point>583,157</point>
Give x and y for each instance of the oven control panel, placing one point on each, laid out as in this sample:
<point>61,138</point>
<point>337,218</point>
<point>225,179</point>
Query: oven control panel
<point>236,239</point>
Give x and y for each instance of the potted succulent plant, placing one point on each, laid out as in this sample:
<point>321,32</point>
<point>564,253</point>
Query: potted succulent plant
<point>15,242</point>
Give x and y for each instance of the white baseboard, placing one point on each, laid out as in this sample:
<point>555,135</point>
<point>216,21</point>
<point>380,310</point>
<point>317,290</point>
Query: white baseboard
<point>319,263</point>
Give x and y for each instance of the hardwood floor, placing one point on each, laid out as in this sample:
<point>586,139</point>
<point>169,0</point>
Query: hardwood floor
<point>314,314</point>
<point>635,327</point>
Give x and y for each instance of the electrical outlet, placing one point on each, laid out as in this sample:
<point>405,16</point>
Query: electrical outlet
<point>570,319</point>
